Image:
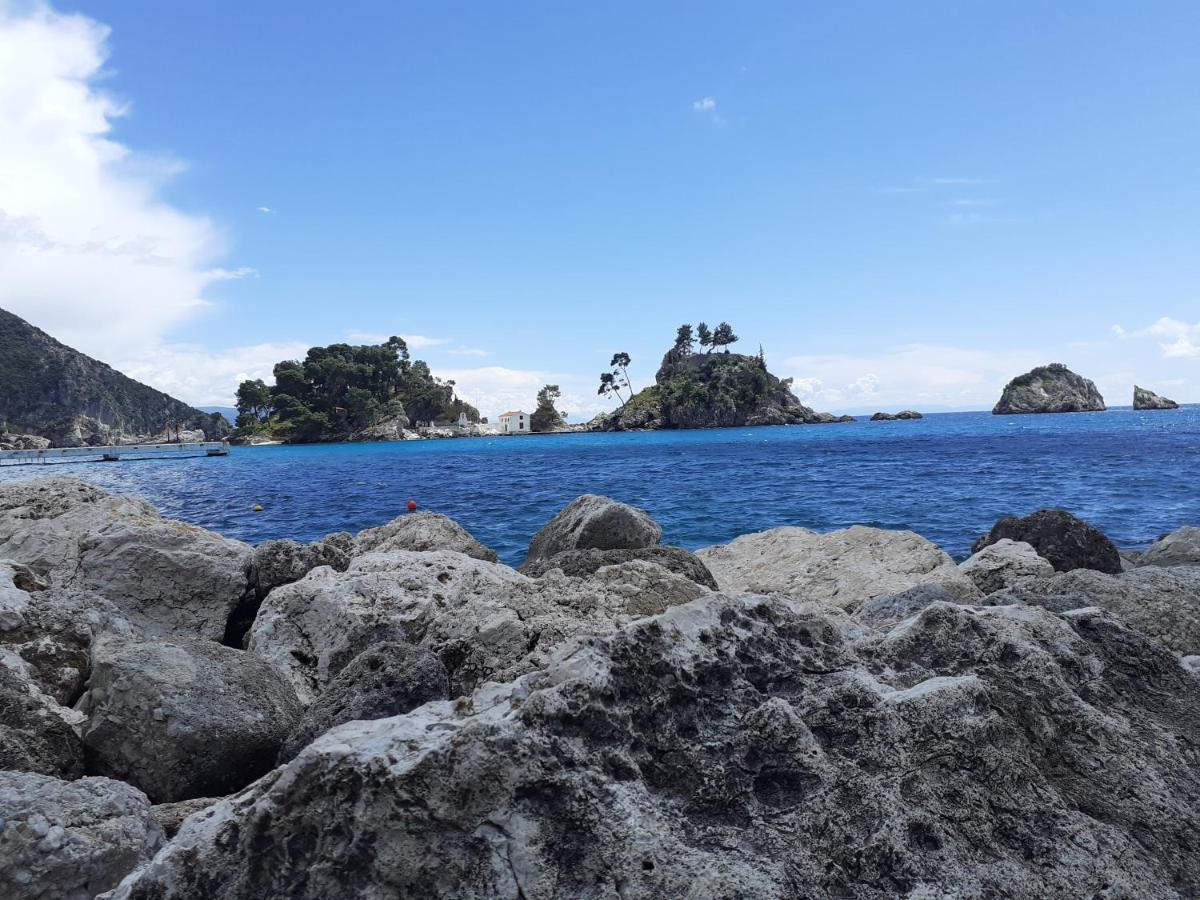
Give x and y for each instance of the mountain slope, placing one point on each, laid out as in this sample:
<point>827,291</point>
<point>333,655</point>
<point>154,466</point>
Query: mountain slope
<point>48,389</point>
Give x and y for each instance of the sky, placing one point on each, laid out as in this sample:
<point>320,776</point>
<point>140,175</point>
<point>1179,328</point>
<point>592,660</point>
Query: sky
<point>905,205</point>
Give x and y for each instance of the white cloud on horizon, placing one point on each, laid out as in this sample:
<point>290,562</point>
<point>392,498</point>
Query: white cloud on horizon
<point>203,377</point>
<point>414,341</point>
<point>1182,341</point>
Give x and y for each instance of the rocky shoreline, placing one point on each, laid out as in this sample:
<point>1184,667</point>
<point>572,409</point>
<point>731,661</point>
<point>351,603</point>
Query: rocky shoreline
<point>395,713</point>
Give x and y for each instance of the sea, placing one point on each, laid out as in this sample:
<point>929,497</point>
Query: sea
<point>948,476</point>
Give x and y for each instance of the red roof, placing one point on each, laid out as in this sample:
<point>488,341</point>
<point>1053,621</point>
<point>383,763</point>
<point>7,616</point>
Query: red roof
<point>513,412</point>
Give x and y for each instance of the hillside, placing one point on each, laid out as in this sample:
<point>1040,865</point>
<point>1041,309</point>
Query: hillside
<point>48,389</point>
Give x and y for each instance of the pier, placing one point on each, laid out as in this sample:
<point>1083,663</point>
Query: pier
<point>55,455</point>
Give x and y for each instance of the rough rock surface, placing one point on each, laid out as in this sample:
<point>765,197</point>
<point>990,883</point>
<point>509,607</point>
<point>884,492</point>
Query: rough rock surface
<point>387,679</point>
<point>891,417</point>
<point>276,563</point>
<point>1049,389</point>
<point>166,577</point>
<point>1144,399</point>
<point>35,735</point>
<point>182,719</point>
<point>1159,602</point>
<point>483,620</point>
<point>889,609</point>
<point>841,568</point>
<point>1179,548</point>
<point>582,563</point>
<point>422,531</point>
<point>747,748</point>
<point>70,840</point>
<point>1065,541</point>
<point>170,816</point>
<point>998,565</point>
<point>594,522</point>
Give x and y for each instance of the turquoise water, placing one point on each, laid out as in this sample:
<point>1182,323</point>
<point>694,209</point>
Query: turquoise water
<point>948,477</point>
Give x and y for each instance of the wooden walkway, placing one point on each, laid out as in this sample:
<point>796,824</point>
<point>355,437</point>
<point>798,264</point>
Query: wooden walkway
<point>112,454</point>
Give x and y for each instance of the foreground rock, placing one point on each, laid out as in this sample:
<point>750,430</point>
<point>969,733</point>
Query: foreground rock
<point>583,563</point>
<point>1179,548</point>
<point>1144,399</point>
<point>1065,541</point>
<point>594,522</point>
<point>422,531</point>
<point>483,620</point>
<point>184,719</point>
<point>841,568</point>
<point>35,735</point>
<point>166,577</point>
<point>170,816</point>
<point>70,840</point>
<point>1161,603</point>
<point>1005,562</point>
<point>1049,389</point>
<point>276,563</point>
<point>746,748</point>
<point>388,679</point>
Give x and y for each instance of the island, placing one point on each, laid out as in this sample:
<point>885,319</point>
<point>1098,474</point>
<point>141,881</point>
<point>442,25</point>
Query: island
<point>1049,389</point>
<point>704,389</point>
<point>1144,399</point>
<point>892,417</point>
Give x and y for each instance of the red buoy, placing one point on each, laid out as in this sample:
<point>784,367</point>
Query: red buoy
<point>412,505</point>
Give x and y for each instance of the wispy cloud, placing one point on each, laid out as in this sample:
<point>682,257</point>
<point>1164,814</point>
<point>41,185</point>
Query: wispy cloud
<point>231,274</point>
<point>467,351</point>
<point>265,209</point>
<point>1179,339</point>
<point>704,104</point>
<point>942,182</point>
<point>414,341</point>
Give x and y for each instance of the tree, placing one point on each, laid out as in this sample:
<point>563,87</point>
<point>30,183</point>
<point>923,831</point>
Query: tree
<point>546,417</point>
<point>683,341</point>
<point>620,363</point>
<point>704,337</point>
<point>609,385</point>
<point>254,398</point>
<point>723,336</point>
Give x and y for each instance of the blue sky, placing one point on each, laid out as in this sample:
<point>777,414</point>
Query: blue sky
<point>905,204</point>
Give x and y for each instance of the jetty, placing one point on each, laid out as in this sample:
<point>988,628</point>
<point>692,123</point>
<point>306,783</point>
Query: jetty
<point>54,455</point>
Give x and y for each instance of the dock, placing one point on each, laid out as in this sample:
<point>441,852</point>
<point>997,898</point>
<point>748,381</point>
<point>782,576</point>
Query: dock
<point>55,455</point>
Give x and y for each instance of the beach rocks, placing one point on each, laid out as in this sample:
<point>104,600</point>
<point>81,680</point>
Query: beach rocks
<point>70,840</point>
<point>1179,548</point>
<point>1065,541</point>
<point>422,531</point>
<point>1144,399</point>
<point>746,747</point>
<point>166,577</point>
<point>1049,389</point>
<point>594,522</point>
<point>35,735</point>
<point>275,563</point>
<point>1162,603</point>
<point>998,565</point>
<point>889,609</point>
<point>841,568</point>
<point>170,816</point>
<point>387,679</point>
<point>891,417</point>
<point>182,719</point>
<point>582,563</point>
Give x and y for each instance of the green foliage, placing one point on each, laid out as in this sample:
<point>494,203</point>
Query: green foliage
<point>723,336</point>
<point>704,337</point>
<point>616,380</point>
<point>545,417</point>
<point>342,388</point>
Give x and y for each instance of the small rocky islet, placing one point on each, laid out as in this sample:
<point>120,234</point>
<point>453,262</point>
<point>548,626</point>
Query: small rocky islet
<point>394,713</point>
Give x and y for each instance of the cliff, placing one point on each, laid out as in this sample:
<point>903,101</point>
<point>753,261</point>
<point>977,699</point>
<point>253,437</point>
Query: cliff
<point>711,390</point>
<point>48,389</point>
<point>1144,399</point>
<point>1049,389</point>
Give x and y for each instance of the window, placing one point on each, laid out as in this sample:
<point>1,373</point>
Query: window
<point>521,426</point>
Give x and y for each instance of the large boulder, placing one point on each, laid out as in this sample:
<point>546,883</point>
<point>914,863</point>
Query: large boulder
<point>841,568</point>
<point>35,733</point>
<point>170,816</point>
<point>594,522</point>
<point>422,531</point>
<point>1065,541</point>
<point>276,563</point>
<point>182,719</point>
<point>483,620</point>
<point>70,840</point>
<point>1049,389</point>
<point>1144,399</point>
<point>889,609</point>
<point>387,679</point>
<point>1179,548</point>
<point>746,747</point>
<point>583,563</point>
<point>167,577</point>
<point>1161,603</point>
<point>998,565</point>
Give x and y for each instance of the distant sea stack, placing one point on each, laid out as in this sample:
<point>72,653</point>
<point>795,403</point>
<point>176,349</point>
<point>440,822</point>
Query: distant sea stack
<point>891,417</point>
<point>1144,399</point>
<point>49,390</point>
<point>1049,389</point>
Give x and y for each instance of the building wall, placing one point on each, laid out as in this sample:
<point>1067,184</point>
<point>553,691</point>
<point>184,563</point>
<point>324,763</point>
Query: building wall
<point>518,424</point>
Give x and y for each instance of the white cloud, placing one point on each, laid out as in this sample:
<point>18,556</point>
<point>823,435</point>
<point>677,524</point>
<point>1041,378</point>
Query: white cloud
<point>230,274</point>
<point>264,209</point>
<point>705,104</point>
<point>414,341</point>
<point>467,351</point>
<point>495,389</point>
<point>1181,340</point>
<point>206,378</point>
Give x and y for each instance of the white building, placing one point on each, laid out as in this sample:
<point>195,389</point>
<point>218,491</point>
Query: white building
<point>514,422</point>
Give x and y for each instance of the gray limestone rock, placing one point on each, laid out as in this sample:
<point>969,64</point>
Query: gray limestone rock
<point>998,565</point>
<point>421,531</point>
<point>35,733</point>
<point>583,563</point>
<point>1049,389</point>
<point>1179,548</point>
<point>1065,541</point>
<point>1144,399</point>
<point>594,522</point>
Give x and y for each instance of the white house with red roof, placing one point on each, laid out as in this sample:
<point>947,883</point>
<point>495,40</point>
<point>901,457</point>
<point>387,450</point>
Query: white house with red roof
<point>514,422</point>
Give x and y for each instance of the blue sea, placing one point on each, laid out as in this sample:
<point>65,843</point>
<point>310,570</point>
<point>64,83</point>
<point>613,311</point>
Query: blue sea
<point>948,477</point>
